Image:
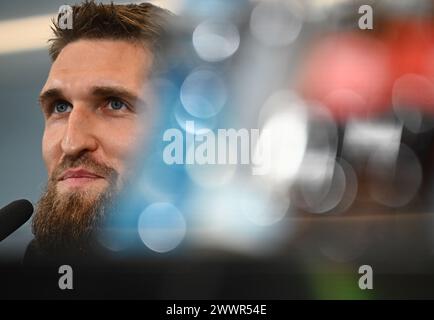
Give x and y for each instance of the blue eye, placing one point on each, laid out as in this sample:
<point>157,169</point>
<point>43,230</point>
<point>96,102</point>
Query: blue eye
<point>117,104</point>
<point>62,107</point>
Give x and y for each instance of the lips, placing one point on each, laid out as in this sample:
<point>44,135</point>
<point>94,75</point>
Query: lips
<point>78,174</point>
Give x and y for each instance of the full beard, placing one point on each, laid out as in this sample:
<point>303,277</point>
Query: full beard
<point>69,222</point>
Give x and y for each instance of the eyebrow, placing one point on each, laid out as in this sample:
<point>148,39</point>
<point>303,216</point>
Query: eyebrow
<point>50,94</point>
<point>97,91</point>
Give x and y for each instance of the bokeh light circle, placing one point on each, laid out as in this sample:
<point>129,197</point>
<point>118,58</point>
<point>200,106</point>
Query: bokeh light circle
<point>162,227</point>
<point>215,40</point>
<point>203,93</point>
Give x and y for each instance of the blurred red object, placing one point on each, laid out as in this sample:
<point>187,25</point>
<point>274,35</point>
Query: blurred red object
<point>411,46</point>
<point>355,74</point>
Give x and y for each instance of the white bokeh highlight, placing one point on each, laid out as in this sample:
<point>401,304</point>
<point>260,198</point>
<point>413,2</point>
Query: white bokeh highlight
<point>162,227</point>
<point>216,40</point>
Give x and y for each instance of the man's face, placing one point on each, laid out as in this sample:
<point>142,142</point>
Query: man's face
<point>92,101</point>
<point>92,107</point>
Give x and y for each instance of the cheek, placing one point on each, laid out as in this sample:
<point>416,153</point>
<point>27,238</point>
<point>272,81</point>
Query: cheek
<point>51,151</point>
<point>120,142</point>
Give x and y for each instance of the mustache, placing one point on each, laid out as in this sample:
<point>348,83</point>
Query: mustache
<point>86,162</point>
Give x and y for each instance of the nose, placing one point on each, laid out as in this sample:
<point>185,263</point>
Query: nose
<point>78,137</point>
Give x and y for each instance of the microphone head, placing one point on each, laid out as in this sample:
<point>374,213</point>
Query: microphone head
<point>13,216</point>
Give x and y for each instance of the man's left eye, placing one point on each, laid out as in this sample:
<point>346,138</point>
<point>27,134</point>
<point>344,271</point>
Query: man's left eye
<point>116,104</point>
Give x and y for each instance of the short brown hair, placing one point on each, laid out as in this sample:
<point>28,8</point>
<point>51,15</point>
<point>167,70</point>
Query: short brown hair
<point>145,23</point>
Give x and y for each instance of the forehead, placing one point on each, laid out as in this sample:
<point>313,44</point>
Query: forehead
<point>85,63</point>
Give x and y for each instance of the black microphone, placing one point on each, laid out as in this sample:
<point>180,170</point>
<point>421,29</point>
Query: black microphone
<point>13,216</point>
